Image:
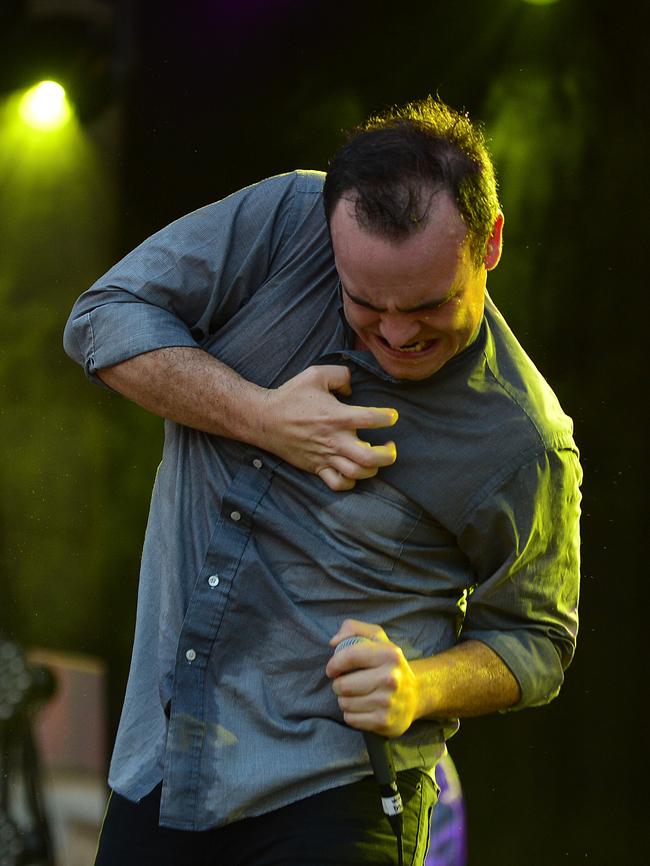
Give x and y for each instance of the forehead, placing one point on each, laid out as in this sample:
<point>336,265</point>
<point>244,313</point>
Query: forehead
<point>424,266</point>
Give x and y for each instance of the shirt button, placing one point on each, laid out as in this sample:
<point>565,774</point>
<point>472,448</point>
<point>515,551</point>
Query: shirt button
<point>235,515</point>
<point>257,463</point>
<point>190,655</point>
<point>213,580</point>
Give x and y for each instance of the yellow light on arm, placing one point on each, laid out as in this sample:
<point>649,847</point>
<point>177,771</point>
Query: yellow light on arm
<point>45,106</point>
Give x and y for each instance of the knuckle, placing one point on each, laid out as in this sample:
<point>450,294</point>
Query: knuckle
<point>330,442</point>
<point>383,719</point>
<point>347,622</point>
<point>383,704</point>
<point>342,689</point>
<point>391,683</point>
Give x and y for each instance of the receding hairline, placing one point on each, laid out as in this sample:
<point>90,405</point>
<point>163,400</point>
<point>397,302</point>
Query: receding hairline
<point>349,198</point>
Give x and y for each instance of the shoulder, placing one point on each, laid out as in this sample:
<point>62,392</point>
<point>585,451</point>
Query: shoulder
<point>299,188</point>
<point>309,181</point>
<point>297,195</point>
<point>307,206</point>
<point>521,430</point>
<point>304,185</point>
<point>527,400</point>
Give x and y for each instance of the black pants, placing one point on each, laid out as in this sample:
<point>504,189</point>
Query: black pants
<point>341,827</point>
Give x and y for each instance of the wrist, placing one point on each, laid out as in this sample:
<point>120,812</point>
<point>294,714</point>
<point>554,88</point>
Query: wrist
<point>251,415</point>
<point>427,687</point>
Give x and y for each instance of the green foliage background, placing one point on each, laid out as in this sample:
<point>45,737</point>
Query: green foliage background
<point>77,462</point>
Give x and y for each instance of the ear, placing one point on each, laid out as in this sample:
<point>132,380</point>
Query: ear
<point>494,244</point>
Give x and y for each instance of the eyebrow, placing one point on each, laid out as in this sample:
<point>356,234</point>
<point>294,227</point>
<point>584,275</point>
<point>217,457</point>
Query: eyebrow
<point>426,305</point>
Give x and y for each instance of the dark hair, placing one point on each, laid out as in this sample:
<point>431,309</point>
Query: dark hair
<point>396,162</point>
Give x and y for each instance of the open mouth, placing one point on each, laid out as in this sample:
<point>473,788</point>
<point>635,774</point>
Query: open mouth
<point>416,347</point>
<point>409,348</point>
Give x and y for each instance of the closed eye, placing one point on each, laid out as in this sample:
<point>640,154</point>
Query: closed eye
<point>424,307</point>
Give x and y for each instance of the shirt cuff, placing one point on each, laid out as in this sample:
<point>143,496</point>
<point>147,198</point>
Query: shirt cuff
<point>532,659</point>
<point>114,333</point>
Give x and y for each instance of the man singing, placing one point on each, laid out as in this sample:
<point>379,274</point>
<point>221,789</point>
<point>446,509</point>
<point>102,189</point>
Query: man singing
<point>279,332</point>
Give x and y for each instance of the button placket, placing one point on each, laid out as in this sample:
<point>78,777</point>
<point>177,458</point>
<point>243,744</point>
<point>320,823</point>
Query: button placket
<point>201,631</point>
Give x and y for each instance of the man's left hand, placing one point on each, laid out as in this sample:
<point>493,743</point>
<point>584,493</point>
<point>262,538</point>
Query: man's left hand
<point>376,687</point>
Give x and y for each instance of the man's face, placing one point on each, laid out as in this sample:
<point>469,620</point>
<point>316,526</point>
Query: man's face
<point>414,303</point>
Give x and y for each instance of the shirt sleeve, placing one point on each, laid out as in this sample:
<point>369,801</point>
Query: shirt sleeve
<point>183,282</point>
<point>523,541</point>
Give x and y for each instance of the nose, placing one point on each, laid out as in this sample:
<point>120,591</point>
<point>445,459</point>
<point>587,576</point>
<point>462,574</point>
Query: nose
<point>398,329</point>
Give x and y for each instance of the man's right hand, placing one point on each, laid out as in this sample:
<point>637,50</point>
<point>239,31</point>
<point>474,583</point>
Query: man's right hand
<point>303,423</point>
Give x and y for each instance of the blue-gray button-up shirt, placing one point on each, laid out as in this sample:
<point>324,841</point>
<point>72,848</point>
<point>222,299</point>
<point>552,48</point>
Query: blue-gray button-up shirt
<point>250,565</point>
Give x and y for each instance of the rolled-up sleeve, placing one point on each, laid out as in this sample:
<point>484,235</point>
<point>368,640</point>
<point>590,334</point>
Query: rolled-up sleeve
<point>523,542</point>
<point>183,282</point>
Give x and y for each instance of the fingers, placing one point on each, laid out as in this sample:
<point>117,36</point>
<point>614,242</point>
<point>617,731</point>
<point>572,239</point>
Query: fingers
<point>373,417</point>
<point>358,628</point>
<point>373,652</point>
<point>305,424</point>
<point>334,479</point>
<point>350,469</point>
<point>336,378</point>
<point>375,686</point>
<point>368,721</point>
<point>365,464</point>
<point>357,460</point>
<point>370,697</point>
<point>368,456</point>
<point>352,664</point>
<point>363,706</point>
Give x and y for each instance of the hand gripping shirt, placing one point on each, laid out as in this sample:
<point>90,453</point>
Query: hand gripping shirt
<point>250,565</point>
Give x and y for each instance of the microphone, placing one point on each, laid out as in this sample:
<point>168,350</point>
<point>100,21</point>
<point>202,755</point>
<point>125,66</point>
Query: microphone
<point>381,761</point>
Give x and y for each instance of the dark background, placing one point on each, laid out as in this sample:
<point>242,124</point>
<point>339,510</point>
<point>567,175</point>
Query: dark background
<point>183,103</point>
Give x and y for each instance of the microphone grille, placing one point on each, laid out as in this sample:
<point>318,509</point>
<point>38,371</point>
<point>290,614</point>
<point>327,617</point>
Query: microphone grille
<point>350,641</point>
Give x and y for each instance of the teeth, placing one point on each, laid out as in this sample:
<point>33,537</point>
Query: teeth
<point>415,347</point>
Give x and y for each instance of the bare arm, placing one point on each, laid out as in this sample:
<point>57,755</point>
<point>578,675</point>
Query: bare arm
<point>379,690</point>
<point>301,421</point>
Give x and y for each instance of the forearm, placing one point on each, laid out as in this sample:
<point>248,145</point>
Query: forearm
<point>469,679</point>
<point>193,388</point>
<point>379,690</point>
<point>302,421</point>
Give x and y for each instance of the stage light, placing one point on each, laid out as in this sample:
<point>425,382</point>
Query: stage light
<point>540,2</point>
<point>45,106</point>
